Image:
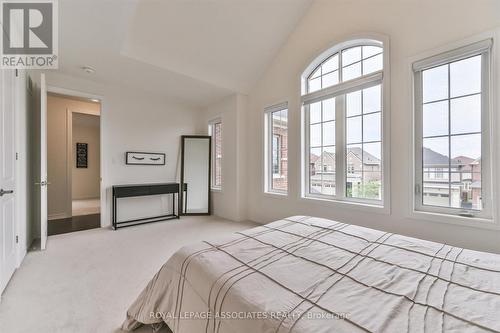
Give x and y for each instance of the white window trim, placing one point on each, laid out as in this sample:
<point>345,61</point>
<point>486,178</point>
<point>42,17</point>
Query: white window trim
<point>211,124</point>
<point>268,169</point>
<point>491,222</point>
<point>383,77</point>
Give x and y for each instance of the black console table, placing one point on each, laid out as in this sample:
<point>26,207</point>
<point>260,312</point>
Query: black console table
<point>127,191</point>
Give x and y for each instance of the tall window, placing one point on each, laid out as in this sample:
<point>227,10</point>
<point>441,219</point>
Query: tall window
<point>451,133</point>
<point>215,130</point>
<point>343,112</point>
<point>276,118</point>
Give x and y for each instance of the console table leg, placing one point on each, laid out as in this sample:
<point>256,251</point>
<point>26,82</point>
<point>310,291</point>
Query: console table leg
<point>114,212</point>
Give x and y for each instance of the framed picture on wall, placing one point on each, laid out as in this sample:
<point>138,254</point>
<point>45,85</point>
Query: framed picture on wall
<point>82,155</point>
<point>141,158</point>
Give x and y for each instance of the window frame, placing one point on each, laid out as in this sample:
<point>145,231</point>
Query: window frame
<point>268,151</point>
<point>211,125</point>
<point>338,91</point>
<point>484,48</point>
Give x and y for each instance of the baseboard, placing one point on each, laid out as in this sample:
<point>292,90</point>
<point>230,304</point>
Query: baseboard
<point>87,198</point>
<point>21,255</point>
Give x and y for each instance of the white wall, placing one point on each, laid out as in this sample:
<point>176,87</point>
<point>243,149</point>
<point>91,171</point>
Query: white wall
<point>230,201</point>
<point>413,27</point>
<point>135,121</point>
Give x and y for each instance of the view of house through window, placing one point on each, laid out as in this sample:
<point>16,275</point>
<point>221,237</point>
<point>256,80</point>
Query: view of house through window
<point>364,143</point>
<point>277,167</point>
<point>357,114</point>
<point>322,147</point>
<point>451,134</point>
<point>215,130</point>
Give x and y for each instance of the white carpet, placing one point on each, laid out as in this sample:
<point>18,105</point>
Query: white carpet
<point>86,207</point>
<point>85,281</point>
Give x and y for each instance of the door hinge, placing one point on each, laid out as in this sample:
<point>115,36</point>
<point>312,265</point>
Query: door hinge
<point>17,156</point>
<point>17,239</point>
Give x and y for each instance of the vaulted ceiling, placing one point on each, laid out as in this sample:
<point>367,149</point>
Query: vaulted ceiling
<point>196,51</point>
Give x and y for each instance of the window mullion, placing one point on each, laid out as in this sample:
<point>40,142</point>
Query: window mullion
<point>270,151</point>
<point>449,139</point>
<point>362,147</point>
<point>340,147</point>
<point>341,88</point>
<point>486,153</point>
<point>418,147</point>
<point>322,169</point>
<point>307,146</point>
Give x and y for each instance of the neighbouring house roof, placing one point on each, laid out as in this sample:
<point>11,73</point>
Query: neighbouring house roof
<point>476,161</point>
<point>328,154</point>
<point>434,158</point>
<point>367,157</point>
<point>313,158</point>
<point>430,158</point>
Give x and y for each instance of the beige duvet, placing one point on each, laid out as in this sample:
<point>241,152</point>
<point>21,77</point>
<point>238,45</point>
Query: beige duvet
<point>306,274</point>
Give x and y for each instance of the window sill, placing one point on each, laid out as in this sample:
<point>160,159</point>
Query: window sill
<point>282,195</point>
<point>344,204</point>
<point>475,222</point>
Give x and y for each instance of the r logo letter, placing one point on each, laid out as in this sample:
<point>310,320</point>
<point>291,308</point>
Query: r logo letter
<point>35,21</point>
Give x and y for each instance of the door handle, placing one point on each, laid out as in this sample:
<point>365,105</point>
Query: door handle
<point>2,192</point>
<point>43,183</point>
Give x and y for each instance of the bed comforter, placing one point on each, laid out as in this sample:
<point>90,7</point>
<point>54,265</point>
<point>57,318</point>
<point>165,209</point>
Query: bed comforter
<point>306,274</point>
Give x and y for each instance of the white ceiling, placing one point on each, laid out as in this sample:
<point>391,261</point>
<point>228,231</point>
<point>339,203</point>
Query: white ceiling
<point>196,51</point>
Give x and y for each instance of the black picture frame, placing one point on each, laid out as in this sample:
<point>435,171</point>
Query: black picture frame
<point>145,158</point>
<point>82,154</point>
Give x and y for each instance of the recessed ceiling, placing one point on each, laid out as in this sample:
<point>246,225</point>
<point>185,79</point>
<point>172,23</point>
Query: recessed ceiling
<point>193,51</point>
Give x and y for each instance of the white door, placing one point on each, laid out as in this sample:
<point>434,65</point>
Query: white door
<point>7,178</point>
<point>43,162</point>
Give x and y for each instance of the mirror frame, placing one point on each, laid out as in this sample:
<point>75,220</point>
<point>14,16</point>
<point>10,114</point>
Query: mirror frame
<point>181,190</point>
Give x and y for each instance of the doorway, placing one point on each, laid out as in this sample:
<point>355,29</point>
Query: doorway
<point>73,163</point>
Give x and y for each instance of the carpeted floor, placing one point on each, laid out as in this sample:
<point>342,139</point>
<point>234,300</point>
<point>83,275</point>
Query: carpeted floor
<point>85,281</point>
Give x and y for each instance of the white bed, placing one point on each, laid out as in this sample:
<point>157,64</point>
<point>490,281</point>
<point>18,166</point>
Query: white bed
<point>306,274</point>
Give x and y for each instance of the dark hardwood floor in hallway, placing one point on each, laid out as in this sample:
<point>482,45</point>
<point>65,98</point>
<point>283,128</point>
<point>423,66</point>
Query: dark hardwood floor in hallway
<point>72,224</point>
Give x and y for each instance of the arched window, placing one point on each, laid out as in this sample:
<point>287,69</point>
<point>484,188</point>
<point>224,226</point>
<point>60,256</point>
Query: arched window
<point>353,63</point>
<point>343,111</point>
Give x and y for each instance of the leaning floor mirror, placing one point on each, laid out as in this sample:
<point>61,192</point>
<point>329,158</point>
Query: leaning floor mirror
<point>195,175</point>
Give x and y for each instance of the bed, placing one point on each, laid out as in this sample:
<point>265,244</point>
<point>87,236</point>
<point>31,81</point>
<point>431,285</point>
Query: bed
<point>307,274</point>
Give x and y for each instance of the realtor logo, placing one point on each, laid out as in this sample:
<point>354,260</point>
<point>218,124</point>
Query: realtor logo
<point>29,38</point>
